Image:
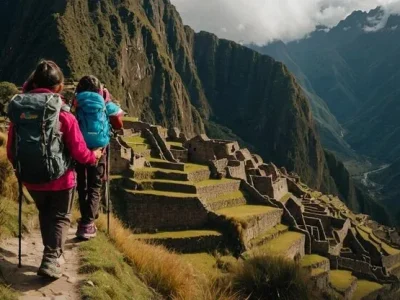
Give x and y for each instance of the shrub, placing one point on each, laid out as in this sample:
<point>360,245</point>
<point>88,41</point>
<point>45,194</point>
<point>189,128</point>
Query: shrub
<point>268,277</point>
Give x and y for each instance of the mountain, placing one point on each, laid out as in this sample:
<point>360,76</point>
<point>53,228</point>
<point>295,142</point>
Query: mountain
<point>165,73</point>
<point>331,131</point>
<point>354,68</point>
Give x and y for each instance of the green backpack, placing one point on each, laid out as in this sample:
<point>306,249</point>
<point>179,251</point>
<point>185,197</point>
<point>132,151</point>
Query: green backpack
<point>39,154</point>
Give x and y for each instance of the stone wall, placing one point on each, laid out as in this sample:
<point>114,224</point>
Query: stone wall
<point>236,169</point>
<point>121,157</point>
<point>192,245</point>
<point>148,213</point>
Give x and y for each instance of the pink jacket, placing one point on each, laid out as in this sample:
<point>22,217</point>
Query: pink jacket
<point>75,144</point>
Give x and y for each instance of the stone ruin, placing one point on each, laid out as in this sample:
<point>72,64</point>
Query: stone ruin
<point>201,195</point>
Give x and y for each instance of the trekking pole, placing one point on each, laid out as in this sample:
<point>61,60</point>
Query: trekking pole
<point>108,192</point>
<point>20,224</point>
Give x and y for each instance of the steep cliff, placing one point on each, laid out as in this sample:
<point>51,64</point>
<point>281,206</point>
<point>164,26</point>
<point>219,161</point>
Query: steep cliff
<point>165,73</point>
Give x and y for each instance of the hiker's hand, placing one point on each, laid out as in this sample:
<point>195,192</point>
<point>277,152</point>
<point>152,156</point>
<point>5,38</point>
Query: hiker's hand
<point>98,153</point>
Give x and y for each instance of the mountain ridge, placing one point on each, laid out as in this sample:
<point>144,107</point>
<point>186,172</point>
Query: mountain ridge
<point>166,73</point>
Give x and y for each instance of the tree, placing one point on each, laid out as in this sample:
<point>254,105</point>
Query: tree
<point>7,91</point>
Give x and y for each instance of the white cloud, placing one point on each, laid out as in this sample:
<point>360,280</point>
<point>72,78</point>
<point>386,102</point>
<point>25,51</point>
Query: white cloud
<point>261,21</point>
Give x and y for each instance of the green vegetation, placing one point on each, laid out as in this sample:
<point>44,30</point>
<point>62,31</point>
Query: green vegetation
<point>7,91</point>
<point>135,140</point>
<point>312,260</point>
<point>227,196</point>
<point>341,280</point>
<point>7,293</point>
<point>176,144</point>
<point>211,182</point>
<point>365,288</point>
<point>271,233</point>
<point>203,263</point>
<point>280,245</point>
<point>130,119</point>
<point>162,193</point>
<point>268,277</point>
<point>178,234</point>
<point>112,276</point>
<point>245,212</point>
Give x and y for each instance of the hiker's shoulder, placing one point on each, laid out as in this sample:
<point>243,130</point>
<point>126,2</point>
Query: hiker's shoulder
<point>67,118</point>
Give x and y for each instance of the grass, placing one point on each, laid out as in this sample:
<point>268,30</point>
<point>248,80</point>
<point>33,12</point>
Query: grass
<point>130,119</point>
<point>176,144</point>
<point>227,196</point>
<point>280,245</point>
<point>112,276</point>
<point>211,182</point>
<point>7,293</point>
<point>312,260</point>
<point>270,234</point>
<point>162,193</point>
<point>367,234</point>
<point>341,280</point>
<point>269,277</point>
<point>204,263</point>
<point>244,212</point>
<point>365,288</point>
<point>134,140</point>
<point>178,234</point>
<point>160,269</point>
<point>195,167</point>
<point>286,197</point>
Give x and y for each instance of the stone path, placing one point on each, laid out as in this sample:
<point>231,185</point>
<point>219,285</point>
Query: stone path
<point>25,280</point>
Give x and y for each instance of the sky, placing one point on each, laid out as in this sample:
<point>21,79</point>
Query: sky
<point>262,21</point>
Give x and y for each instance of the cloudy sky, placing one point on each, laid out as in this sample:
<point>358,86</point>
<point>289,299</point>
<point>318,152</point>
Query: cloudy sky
<point>261,21</point>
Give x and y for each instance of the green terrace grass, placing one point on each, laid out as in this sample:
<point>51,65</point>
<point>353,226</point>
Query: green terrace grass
<point>154,170</point>
<point>139,148</point>
<point>316,272</point>
<point>280,228</point>
<point>312,260</point>
<point>211,182</point>
<point>281,244</point>
<point>341,280</point>
<point>245,212</point>
<point>203,263</point>
<point>286,197</point>
<point>134,140</point>
<point>178,234</point>
<point>112,276</point>
<point>367,234</point>
<point>224,197</point>
<point>162,193</point>
<point>7,293</point>
<point>195,167</point>
<point>130,119</point>
<point>177,144</point>
<point>364,288</point>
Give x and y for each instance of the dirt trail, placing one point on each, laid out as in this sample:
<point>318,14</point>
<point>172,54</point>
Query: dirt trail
<point>25,280</point>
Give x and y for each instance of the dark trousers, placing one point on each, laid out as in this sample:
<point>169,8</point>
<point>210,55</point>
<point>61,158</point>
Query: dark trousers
<point>90,181</point>
<point>55,219</point>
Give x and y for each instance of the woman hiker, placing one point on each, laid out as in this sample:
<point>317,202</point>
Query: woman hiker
<point>43,140</point>
<point>96,114</point>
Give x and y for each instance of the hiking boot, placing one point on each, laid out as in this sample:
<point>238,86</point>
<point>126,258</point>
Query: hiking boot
<point>51,268</point>
<point>86,231</point>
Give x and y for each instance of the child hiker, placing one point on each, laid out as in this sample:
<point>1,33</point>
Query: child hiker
<point>43,140</point>
<point>96,113</point>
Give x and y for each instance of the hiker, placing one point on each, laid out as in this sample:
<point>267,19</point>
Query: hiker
<point>96,114</point>
<point>43,140</point>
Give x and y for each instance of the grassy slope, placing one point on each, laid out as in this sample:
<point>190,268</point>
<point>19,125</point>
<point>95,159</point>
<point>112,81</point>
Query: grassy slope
<point>111,274</point>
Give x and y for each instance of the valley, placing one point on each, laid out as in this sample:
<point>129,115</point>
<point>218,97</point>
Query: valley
<point>352,71</point>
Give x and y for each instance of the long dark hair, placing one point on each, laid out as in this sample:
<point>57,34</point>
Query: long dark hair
<point>47,75</point>
<point>88,83</point>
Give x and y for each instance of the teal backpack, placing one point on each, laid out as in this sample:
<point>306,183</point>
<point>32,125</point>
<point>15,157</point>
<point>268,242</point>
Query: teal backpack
<point>93,120</point>
<point>39,154</point>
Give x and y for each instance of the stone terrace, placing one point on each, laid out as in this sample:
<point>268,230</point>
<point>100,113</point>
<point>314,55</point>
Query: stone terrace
<point>202,195</point>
